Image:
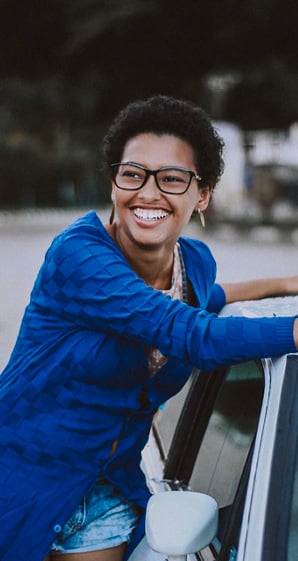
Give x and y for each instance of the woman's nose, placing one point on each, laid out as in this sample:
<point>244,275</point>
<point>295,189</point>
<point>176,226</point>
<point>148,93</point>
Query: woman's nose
<point>150,189</point>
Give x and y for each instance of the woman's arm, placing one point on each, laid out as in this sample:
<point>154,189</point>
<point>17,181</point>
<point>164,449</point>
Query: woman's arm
<point>87,285</point>
<point>260,288</point>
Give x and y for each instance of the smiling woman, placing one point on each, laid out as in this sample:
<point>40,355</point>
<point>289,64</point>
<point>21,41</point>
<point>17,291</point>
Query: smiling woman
<point>118,316</point>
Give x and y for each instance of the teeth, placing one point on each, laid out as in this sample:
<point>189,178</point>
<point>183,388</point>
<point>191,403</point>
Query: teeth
<point>147,214</point>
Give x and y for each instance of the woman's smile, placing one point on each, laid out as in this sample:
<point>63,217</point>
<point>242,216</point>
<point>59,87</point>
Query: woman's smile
<point>149,215</point>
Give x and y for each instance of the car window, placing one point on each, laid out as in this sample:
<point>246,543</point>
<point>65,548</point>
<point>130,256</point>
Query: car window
<point>289,499</point>
<point>223,462</point>
<point>165,420</point>
<point>293,526</point>
<point>229,433</point>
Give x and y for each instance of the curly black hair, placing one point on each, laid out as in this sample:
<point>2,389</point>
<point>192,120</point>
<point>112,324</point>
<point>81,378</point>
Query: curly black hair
<point>159,115</point>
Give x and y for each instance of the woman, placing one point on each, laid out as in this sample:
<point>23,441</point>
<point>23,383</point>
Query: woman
<point>118,316</point>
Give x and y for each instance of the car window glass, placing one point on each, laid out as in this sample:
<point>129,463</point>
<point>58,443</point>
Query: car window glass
<point>167,416</point>
<point>293,526</point>
<point>229,434</point>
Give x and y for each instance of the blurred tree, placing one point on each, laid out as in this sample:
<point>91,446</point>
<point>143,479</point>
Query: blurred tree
<point>166,46</point>
<point>46,144</point>
<point>32,35</point>
<point>270,96</point>
<point>136,48</point>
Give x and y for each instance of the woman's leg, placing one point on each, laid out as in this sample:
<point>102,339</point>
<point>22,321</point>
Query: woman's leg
<point>110,554</point>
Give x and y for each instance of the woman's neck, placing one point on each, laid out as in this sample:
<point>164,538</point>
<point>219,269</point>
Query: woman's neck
<point>155,272</point>
<point>155,266</point>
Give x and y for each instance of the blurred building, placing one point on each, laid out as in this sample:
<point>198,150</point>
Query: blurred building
<point>261,174</point>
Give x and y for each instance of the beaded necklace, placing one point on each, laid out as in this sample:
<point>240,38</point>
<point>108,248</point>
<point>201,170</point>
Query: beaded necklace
<point>177,291</point>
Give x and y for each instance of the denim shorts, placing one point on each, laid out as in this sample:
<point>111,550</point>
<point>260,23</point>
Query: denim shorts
<point>103,519</point>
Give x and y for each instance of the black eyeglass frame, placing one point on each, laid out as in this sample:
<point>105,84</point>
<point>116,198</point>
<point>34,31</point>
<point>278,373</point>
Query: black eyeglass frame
<point>154,172</point>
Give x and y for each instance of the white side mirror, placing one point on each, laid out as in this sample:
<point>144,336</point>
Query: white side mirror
<point>181,522</point>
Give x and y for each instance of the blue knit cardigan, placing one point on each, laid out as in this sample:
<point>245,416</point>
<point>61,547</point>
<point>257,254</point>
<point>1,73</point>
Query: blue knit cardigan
<point>73,381</point>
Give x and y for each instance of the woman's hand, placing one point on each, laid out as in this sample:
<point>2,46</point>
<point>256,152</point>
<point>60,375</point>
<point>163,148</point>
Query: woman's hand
<point>260,288</point>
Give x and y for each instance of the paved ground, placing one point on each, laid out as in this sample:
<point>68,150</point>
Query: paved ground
<point>25,237</point>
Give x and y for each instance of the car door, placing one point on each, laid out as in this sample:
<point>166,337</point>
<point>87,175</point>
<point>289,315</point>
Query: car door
<point>205,436</point>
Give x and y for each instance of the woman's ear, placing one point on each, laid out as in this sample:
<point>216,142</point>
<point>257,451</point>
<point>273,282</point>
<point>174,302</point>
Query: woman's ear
<point>204,198</point>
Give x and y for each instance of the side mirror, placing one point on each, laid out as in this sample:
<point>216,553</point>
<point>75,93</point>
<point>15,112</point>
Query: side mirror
<point>181,522</point>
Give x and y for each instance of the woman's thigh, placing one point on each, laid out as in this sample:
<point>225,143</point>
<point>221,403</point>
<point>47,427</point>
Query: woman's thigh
<point>110,554</point>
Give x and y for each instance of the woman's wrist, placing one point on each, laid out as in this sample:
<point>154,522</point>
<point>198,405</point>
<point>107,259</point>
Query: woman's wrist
<point>291,285</point>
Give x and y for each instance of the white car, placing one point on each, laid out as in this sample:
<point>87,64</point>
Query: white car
<point>221,461</point>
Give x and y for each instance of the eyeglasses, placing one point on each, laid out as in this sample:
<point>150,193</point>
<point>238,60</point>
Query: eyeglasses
<point>173,180</point>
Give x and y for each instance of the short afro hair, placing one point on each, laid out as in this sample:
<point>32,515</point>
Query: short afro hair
<point>167,115</point>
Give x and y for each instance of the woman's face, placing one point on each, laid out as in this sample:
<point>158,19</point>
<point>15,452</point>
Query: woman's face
<point>148,217</point>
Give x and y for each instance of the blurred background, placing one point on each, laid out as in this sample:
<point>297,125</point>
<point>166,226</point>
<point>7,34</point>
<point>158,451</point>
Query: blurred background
<point>68,66</point>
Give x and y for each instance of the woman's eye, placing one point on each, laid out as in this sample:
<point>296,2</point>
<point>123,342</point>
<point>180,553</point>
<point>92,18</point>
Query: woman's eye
<point>172,179</point>
<point>132,174</point>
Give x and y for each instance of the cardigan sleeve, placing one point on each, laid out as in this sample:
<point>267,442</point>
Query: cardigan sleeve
<point>86,283</point>
<point>217,299</point>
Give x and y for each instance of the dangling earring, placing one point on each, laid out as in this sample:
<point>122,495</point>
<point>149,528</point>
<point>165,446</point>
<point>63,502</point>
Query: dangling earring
<point>202,217</point>
<point>112,215</point>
